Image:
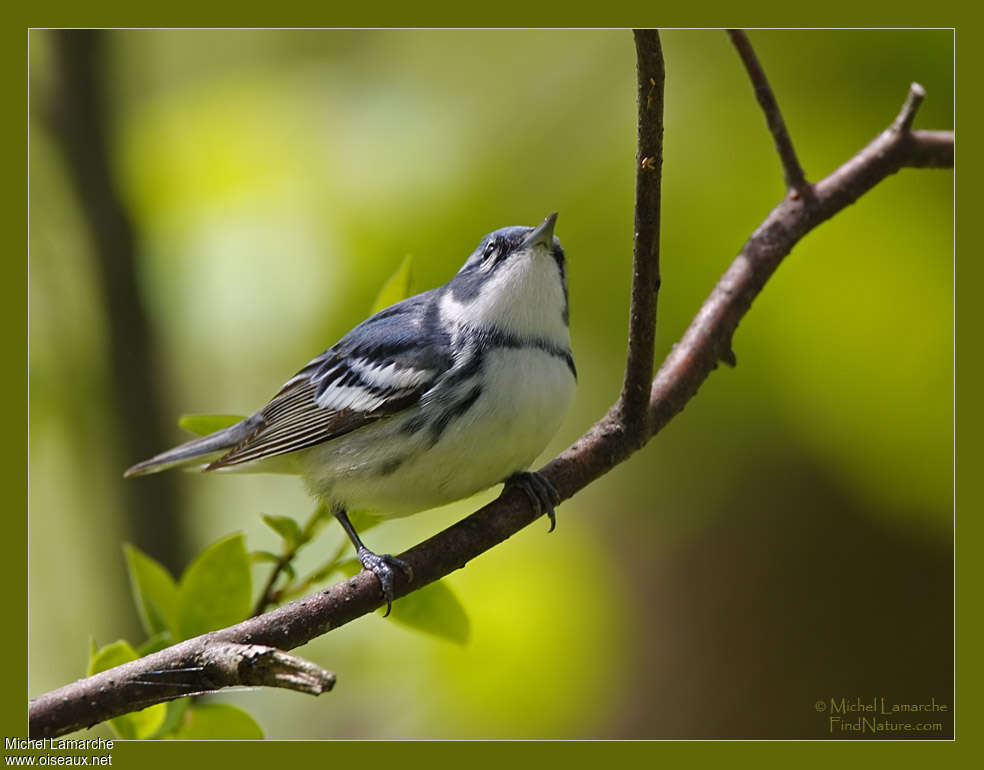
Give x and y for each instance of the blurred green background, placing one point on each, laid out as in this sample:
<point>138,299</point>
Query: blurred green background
<point>788,538</point>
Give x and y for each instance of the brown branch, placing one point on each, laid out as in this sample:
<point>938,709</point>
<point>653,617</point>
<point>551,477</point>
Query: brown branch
<point>694,357</point>
<point>199,665</point>
<point>913,101</point>
<point>792,171</point>
<point>930,149</point>
<point>605,445</point>
<point>650,75</point>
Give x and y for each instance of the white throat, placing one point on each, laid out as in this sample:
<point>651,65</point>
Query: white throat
<point>523,297</point>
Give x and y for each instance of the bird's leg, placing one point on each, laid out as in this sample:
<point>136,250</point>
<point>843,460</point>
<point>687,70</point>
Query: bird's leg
<point>540,490</point>
<point>381,565</point>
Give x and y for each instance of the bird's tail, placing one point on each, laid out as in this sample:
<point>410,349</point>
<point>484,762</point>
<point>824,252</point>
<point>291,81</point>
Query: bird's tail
<point>198,451</point>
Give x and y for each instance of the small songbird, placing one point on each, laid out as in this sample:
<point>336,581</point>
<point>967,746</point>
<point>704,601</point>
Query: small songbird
<point>428,401</point>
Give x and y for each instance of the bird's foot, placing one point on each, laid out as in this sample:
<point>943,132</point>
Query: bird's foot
<point>541,492</point>
<point>382,566</point>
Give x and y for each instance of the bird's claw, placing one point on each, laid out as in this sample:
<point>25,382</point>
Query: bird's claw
<point>381,565</point>
<point>541,492</point>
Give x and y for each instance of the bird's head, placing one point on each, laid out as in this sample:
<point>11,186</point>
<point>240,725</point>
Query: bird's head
<point>514,281</point>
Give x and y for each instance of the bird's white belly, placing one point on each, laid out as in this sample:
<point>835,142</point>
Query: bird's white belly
<point>525,393</point>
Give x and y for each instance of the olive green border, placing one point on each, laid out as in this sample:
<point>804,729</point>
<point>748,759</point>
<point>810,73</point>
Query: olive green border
<point>14,382</point>
<point>969,279</point>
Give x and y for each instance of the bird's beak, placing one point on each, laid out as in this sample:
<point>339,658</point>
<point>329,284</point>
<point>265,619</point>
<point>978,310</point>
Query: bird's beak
<point>542,235</point>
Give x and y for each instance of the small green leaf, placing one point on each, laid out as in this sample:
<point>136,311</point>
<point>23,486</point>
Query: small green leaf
<point>395,289</point>
<point>139,724</point>
<point>258,557</point>
<point>143,723</point>
<point>114,654</point>
<point>350,567</point>
<point>203,424</point>
<point>155,643</point>
<point>154,592</point>
<point>287,528</point>
<point>175,715</point>
<point>215,590</point>
<point>436,610</point>
<point>325,571</point>
<point>218,721</point>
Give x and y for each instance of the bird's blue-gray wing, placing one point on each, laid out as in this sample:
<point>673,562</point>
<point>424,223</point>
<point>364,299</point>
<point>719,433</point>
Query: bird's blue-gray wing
<point>377,370</point>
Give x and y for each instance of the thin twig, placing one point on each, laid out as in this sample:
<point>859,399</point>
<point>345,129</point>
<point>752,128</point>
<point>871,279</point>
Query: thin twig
<point>913,101</point>
<point>650,75</point>
<point>792,171</point>
<point>268,596</point>
<point>604,446</point>
<point>318,575</point>
<point>692,360</point>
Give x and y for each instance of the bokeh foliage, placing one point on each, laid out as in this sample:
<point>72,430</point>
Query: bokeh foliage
<point>278,178</point>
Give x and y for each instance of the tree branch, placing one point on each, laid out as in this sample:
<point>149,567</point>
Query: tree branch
<point>650,74</point>
<point>694,357</point>
<point>913,101</point>
<point>605,445</point>
<point>199,665</point>
<point>792,171</point>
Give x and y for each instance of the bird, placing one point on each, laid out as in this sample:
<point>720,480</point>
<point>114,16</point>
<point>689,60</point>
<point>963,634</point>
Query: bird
<point>431,400</point>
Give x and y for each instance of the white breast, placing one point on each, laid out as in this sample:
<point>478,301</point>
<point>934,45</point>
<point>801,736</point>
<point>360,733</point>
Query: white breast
<point>525,394</point>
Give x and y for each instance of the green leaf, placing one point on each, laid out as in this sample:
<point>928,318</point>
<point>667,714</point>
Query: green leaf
<point>175,715</point>
<point>139,724</point>
<point>325,571</point>
<point>155,643</point>
<point>397,288</point>
<point>203,424</point>
<point>114,654</point>
<point>258,557</point>
<point>215,590</point>
<point>436,610</point>
<point>287,528</point>
<point>218,720</point>
<point>154,592</point>
<point>351,567</point>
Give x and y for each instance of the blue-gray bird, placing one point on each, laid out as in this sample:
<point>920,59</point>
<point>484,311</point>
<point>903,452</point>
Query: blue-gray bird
<point>429,401</point>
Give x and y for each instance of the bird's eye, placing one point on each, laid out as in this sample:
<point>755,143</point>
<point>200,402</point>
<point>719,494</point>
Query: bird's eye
<point>490,248</point>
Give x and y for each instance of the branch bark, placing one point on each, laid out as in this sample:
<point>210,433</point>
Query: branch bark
<point>650,75</point>
<point>710,333</point>
<point>608,442</point>
<point>204,664</point>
